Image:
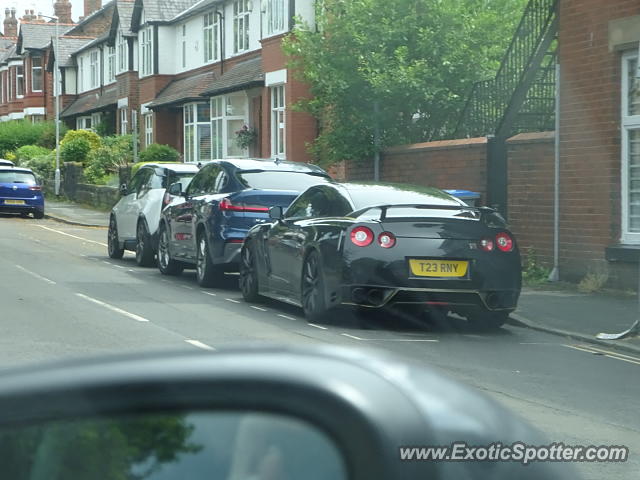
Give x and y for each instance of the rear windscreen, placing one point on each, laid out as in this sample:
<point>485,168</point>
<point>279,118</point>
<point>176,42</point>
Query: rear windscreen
<point>17,177</point>
<point>296,181</point>
<point>392,213</point>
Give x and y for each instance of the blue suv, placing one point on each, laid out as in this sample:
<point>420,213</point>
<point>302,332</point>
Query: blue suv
<point>205,226</point>
<point>20,192</point>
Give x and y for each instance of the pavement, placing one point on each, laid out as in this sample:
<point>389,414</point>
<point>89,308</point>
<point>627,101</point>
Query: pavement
<point>74,214</point>
<point>66,299</point>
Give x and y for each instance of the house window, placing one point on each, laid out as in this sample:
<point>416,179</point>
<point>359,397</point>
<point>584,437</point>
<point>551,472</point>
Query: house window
<point>211,34</point>
<point>111,64</point>
<point>277,122</point>
<point>122,52</point>
<point>83,123</point>
<point>228,115</point>
<point>184,46</point>
<point>93,69</point>
<point>630,149</point>
<point>80,74</point>
<point>146,44</point>
<point>96,118</point>
<point>197,132</point>
<point>124,121</point>
<point>275,16</point>
<point>240,25</point>
<point>36,74</point>
<point>19,81</point>
<point>148,129</point>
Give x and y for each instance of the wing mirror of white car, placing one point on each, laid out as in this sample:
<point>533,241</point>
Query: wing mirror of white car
<point>175,189</point>
<point>276,213</point>
<point>124,189</point>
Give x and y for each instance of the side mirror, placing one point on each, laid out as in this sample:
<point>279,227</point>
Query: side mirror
<point>175,189</point>
<point>276,213</point>
<point>124,189</point>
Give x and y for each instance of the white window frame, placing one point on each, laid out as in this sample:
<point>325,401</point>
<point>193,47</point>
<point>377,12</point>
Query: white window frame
<point>96,118</point>
<point>94,72</point>
<point>84,123</point>
<point>122,52</point>
<point>148,128</point>
<point>277,100</point>
<point>146,51</point>
<point>35,69</point>
<point>111,64</point>
<point>222,123</point>
<point>628,123</point>
<point>190,122</point>
<point>184,45</point>
<point>241,29</point>
<point>210,36</point>
<point>18,83</point>
<point>124,120</point>
<point>80,74</point>
<point>276,16</point>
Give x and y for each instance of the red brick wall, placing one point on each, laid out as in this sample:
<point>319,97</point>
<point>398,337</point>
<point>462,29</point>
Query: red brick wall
<point>149,87</point>
<point>531,191</point>
<point>589,130</point>
<point>447,164</point>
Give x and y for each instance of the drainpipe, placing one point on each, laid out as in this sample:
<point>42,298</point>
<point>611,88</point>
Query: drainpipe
<point>221,29</point>
<point>554,276</point>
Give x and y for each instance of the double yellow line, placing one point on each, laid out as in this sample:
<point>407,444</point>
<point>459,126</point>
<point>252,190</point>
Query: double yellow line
<point>606,353</point>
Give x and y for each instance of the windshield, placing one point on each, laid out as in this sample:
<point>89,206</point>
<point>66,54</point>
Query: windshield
<point>451,183</point>
<point>17,177</point>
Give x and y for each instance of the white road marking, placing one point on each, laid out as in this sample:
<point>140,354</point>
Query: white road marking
<point>317,326</point>
<point>287,317</point>
<point>209,293</point>
<point>259,308</point>
<point>35,275</point>
<point>606,353</point>
<point>187,287</point>
<point>72,236</point>
<point>201,345</point>
<point>113,309</point>
<point>351,336</point>
<point>231,300</point>
<point>108,263</point>
<point>402,339</point>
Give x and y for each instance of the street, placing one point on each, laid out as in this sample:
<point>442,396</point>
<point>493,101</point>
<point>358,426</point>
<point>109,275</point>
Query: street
<point>63,298</point>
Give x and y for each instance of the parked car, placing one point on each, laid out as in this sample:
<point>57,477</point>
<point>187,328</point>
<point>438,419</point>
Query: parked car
<point>377,246</point>
<point>206,226</point>
<point>6,163</point>
<point>20,192</point>
<point>135,218</point>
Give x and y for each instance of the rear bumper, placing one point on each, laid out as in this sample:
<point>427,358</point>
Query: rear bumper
<point>21,208</point>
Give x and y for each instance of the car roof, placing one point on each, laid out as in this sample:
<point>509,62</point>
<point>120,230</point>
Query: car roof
<point>267,164</point>
<point>7,168</point>
<point>174,167</point>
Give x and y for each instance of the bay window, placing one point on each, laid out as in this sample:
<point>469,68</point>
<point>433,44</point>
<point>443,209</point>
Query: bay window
<point>197,132</point>
<point>630,149</point>
<point>122,52</point>
<point>148,129</point>
<point>240,25</point>
<point>94,72</point>
<point>124,121</point>
<point>111,64</point>
<point>229,114</point>
<point>19,81</point>
<point>184,46</point>
<point>36,74</point>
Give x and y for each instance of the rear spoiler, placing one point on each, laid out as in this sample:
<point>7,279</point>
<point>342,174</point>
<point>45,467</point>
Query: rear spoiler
<point>486,213</point>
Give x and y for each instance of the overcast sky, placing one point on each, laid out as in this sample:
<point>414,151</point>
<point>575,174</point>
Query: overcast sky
<point>43,6</point>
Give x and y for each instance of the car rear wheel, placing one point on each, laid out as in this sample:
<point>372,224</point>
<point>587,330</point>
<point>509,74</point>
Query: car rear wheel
<point>207,273</point>
<point>486,320</point>
<point>248,274</point>
<point>166,264</point>
<point>313,289</point>
<point>38,214</point>
<point>144,252</point>
<point>113,242</point>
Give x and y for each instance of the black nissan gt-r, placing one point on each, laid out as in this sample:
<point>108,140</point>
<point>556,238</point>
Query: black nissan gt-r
<point>384,245</point>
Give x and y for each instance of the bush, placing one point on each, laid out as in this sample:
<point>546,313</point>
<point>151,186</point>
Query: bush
<point>75,150</point>
<point>92,137</point>
<point>159,153</point>
<point>17,133</point>
<point>28,152</point>
<point>44,166</point>
<point>105,161</point>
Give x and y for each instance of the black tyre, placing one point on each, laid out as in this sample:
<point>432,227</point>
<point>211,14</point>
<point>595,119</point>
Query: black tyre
<point>249,274</point>
<point>166,264</point>
<point>144,252</point>
<point>313,297</point>
<point>113,242</point>
<point>207,273</point>
<point>38,214</point>
<point>486,320</point>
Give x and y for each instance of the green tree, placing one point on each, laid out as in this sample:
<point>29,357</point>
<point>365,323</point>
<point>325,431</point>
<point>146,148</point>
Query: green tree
<point>405,66</point>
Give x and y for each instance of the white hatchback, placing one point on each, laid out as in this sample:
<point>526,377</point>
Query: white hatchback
<point>135,218</point>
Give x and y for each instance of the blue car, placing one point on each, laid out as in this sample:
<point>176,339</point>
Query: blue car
<point>20,192</point>
<point>204,227</point>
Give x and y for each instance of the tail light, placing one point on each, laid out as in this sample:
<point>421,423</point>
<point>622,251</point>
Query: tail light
<point>362,236</point>
<point>504,242</point>
<point>486,244</point>
<point>35,188</point>
<point>225,205</point>
<point>386,240</point>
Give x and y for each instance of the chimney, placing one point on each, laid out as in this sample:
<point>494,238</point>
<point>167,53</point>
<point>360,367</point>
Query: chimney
<point>10,23</point>
<point>62,10</point>
<point>91,6</point>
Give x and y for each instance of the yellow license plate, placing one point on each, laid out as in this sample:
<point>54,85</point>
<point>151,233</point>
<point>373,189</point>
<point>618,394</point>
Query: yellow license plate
<point>14,202</point>
<point>438,268</point>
